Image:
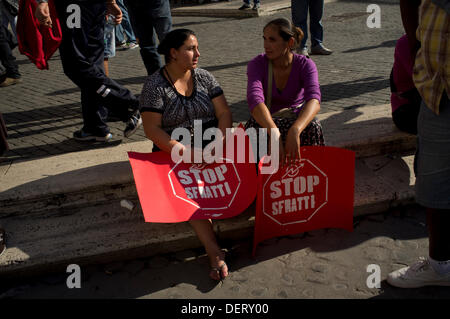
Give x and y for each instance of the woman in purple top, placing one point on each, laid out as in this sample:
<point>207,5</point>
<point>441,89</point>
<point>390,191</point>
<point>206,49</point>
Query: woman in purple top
<point>295,86</point>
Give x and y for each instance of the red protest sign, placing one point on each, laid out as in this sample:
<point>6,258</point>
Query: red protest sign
<point>176,192</point>
<point>315,193</point>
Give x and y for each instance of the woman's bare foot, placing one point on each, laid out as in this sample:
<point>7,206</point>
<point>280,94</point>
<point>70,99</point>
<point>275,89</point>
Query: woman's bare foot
<point>219,269</point>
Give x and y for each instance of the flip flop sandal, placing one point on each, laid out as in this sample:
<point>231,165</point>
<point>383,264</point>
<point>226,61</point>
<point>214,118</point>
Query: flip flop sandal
<point>219,270</point>
<point>2,241</point>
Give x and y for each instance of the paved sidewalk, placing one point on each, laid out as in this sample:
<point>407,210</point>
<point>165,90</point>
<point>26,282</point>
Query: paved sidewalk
<point>42,113</point>
<point>320,264</point>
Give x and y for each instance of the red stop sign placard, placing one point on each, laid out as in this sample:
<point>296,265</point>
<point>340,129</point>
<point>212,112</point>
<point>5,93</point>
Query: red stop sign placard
<point>295,194</point>
<point>315,193</point>
<point>208,187</point>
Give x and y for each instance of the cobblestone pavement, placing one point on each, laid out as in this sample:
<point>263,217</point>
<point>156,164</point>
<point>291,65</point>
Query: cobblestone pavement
<point>42,113</point>
<point>320,264</point>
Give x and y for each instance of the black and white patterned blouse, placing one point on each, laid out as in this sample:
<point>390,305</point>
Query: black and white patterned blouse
<point>158,95</point>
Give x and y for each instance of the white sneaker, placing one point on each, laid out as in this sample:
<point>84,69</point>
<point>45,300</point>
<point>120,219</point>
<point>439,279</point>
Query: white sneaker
<point>418,275</point>
<point>132,45</point>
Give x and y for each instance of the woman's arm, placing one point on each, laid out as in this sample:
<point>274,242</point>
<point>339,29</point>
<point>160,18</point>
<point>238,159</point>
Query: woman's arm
<point>305,116</point>
<point>256,72</point>
<point>262,116</point>
<point>223,113</point>
<point>154,132</point>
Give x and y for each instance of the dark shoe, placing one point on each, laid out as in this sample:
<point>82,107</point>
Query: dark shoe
<point>81,135</point>
<point>245,7</point>
<point>133,124</point>
<point>320,50</point>
<point>10,81</point>
<point>256,6</point>
<point>2,241</point>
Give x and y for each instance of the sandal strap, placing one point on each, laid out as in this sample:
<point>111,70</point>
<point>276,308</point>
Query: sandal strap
<point>219,269</point>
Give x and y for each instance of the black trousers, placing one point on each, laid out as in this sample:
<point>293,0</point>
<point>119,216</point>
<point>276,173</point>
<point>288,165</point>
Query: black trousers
<point>82,52</point>
<point>6,57</point>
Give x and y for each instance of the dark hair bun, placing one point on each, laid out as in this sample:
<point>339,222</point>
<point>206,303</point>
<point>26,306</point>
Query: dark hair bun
<point>287,30</point>
<point>174,39</point>
<point>162,49</point>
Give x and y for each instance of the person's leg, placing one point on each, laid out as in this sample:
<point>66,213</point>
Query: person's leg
<point>6,57</point>
<point>120,38</point>
<point>316,28</point>
<point>80,63</point>
<point>300,18</point>
<point>106,66</point>
<point>245,5</point>
<point>82,55</point>
<point>143,25</point>
<point>205,233</point>
<point>9,19</point>
<point>433,176</point>
<point>433,156</point>
<point>432,166</point>
<point>162,18</point>
<point>438,221</point>
<point>126,24</point>
<point>315,22</point>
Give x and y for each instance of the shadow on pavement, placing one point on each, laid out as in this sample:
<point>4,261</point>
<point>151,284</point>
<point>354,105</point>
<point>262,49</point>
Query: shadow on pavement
<point>385,44</point>
<point>186,24</point>
<point>348,89</point>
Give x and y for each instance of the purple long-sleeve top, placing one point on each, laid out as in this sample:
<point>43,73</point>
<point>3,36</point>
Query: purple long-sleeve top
<point>302,86</point>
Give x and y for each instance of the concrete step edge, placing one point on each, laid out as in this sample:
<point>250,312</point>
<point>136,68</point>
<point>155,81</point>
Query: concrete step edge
<point>105,233</point>
<point>43,183</point>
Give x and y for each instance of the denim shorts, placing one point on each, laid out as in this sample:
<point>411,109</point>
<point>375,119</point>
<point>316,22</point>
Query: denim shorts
<point>433,156</point>
<point>110,42</point>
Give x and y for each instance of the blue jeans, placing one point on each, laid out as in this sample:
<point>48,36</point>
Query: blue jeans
<point>150,18</point>
<point>125,26</point>
<point>110,42</point>
<point>432,161</point>
<point>300,18</point>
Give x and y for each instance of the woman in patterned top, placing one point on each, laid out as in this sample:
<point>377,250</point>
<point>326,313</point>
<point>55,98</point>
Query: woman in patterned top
<point>175,96</point>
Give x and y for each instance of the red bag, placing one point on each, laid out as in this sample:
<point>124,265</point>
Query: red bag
<point>36,41</point>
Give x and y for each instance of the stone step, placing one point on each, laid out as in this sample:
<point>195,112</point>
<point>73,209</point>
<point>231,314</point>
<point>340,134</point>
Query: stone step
<point>98,176</point>
<point>51,240</point>
<point>65,208</point>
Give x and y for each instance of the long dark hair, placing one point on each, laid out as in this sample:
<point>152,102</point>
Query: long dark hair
<point>174,39</point>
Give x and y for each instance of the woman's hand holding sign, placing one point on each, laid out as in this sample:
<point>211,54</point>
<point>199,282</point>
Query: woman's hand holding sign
<point>293,145</point>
